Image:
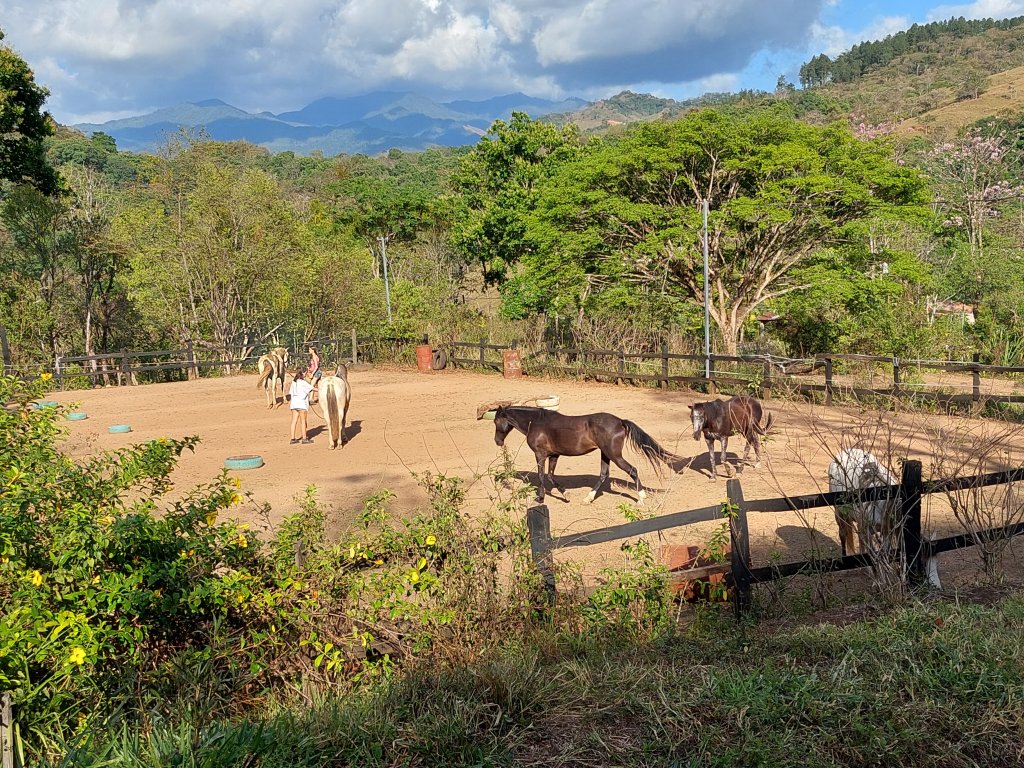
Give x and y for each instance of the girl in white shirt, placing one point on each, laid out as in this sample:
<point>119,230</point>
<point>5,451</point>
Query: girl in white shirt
<point>299,396</point>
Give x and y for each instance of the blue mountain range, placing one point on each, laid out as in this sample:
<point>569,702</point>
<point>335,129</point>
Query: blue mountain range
<point>370,124</point>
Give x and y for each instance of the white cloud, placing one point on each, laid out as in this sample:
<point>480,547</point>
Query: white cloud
<point>833,40</point>
<point>979,9</point>
<point>114,56</point>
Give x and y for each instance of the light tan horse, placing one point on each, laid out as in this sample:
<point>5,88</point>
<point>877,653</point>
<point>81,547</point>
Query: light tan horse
<point>272,372</point>
<point>335,396</point>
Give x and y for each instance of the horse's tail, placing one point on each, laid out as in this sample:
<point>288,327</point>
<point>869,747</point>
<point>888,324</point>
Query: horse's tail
<point>266,369</point>
<point>648,446</point>
<point>333,417</point>
<point>769,423</point>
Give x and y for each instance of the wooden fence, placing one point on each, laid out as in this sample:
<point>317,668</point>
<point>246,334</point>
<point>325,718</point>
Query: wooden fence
<point>123,367</point>
<point>741,576</point>
<point>765,373</point>
<point>757,374</point>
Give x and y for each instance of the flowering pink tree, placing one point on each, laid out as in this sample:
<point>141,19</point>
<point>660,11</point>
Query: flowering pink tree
<point>970,176</point>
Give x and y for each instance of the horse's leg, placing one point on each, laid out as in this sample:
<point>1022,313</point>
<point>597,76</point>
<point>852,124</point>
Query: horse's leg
<point>541,490</point>
<point>711,455</point>
<point>757,450</point>
<point>630,470</point>
<point>725,463</point>
<point>552,462</point>
<point>600,480</point>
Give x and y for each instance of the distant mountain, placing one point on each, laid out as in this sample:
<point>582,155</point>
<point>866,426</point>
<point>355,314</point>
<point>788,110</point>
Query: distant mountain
<point>369,124</point>
<point>628,107</point>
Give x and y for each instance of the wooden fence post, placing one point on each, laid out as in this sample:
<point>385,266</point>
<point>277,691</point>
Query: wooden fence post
<point>6,732</point>
<point>712,389</point>
<point>975,383</point>
<point>483,350</point>
<point>896,374</point>
<point>192,371</point>
<point>123,372</point>
<point>910,518</point>
<point>538,523</point>
<point>621,366</point>
<point>355,347</point>
<point>739,538</point>
<point>58,373</point>
<point>5,351</point>
<point>766,380</point>
<point>828,381</point>
<point>664,365</point>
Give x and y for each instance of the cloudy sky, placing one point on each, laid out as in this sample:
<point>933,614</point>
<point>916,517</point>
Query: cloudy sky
<point>103,59</point>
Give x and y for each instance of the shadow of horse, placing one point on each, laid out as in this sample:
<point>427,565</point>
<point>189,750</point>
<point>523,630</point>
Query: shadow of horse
<point>701,463</point>
<point>352,429</point>
<point>578,482</point>
<point>802,541</point>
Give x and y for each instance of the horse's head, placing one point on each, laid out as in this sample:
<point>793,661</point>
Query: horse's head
<point>502,426</point>
<point>697,418</point>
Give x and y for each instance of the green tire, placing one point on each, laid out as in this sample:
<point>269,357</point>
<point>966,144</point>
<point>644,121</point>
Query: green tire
<point>77,416</point>
<point>243,462</point>
<point>119,428</point>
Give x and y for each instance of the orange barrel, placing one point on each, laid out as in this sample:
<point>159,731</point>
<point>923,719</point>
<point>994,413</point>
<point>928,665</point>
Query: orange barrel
<point>425,358</point>
<point>512,364</point>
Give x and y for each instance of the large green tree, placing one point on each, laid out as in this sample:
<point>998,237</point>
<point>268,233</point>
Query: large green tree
<point>23,125</point>
<point>778,190</point>
<point>499,180</point>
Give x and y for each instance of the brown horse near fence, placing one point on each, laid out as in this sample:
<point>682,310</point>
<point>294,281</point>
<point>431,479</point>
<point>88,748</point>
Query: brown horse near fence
<point>550,435</point>
<point>720,419</point>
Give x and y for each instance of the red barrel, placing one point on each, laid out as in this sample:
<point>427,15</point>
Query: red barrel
<point>424,358</point>
<point>512,364</point>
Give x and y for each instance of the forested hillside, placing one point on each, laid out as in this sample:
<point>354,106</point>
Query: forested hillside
<point>574,234</point>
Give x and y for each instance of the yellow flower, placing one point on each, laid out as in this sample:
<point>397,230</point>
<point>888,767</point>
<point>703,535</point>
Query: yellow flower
<point>352,552</point>
<point>95,579</point>
<point>188,554</point>
<point>211,518</point>
<point>378,561</point>
<point>46,376</point>
<point>431,540</point>
<point>105,520</point>
<point>236,499</point>
<point>36,578</point>
<point>4,560</point>
<point>235,482</point>
<point>77,656</point>
<point>158,592</point>
<point>414,576</point>
<point>421,564</point>
<point>242,541</point>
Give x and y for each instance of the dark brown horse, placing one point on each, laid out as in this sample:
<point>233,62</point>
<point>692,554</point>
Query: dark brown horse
<point>552,434</point>
<point>720,419</point>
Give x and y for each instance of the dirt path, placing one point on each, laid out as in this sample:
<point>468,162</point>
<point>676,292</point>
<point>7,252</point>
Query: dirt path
<point>403,422</point>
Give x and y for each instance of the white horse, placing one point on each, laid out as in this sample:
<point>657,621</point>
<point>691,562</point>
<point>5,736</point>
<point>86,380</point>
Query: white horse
<point>272,372</point>
<point>335,395</point>
<point>853,470</point>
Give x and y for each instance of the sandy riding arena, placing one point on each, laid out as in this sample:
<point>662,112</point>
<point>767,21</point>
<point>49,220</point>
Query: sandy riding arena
<point>402,422</point>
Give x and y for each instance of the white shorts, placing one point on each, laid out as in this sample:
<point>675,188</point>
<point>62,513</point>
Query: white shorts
<point>300,407</point>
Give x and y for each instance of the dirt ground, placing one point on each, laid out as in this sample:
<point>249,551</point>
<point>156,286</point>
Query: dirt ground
<point>402,421</point>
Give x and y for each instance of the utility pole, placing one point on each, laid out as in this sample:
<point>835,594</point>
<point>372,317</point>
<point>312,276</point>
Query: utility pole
<point>707,301</point>
<point>384,259</point>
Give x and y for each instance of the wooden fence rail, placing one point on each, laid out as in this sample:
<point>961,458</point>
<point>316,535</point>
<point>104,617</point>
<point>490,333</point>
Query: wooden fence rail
<point>765,373</point>
<point>917,553</point>
<point>195,357</point>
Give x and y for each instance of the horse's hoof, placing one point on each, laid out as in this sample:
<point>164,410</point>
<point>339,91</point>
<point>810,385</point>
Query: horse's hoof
<point>590,498</point>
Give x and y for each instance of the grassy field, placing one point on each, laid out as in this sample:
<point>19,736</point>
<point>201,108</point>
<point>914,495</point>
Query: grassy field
<point>940,683</point>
